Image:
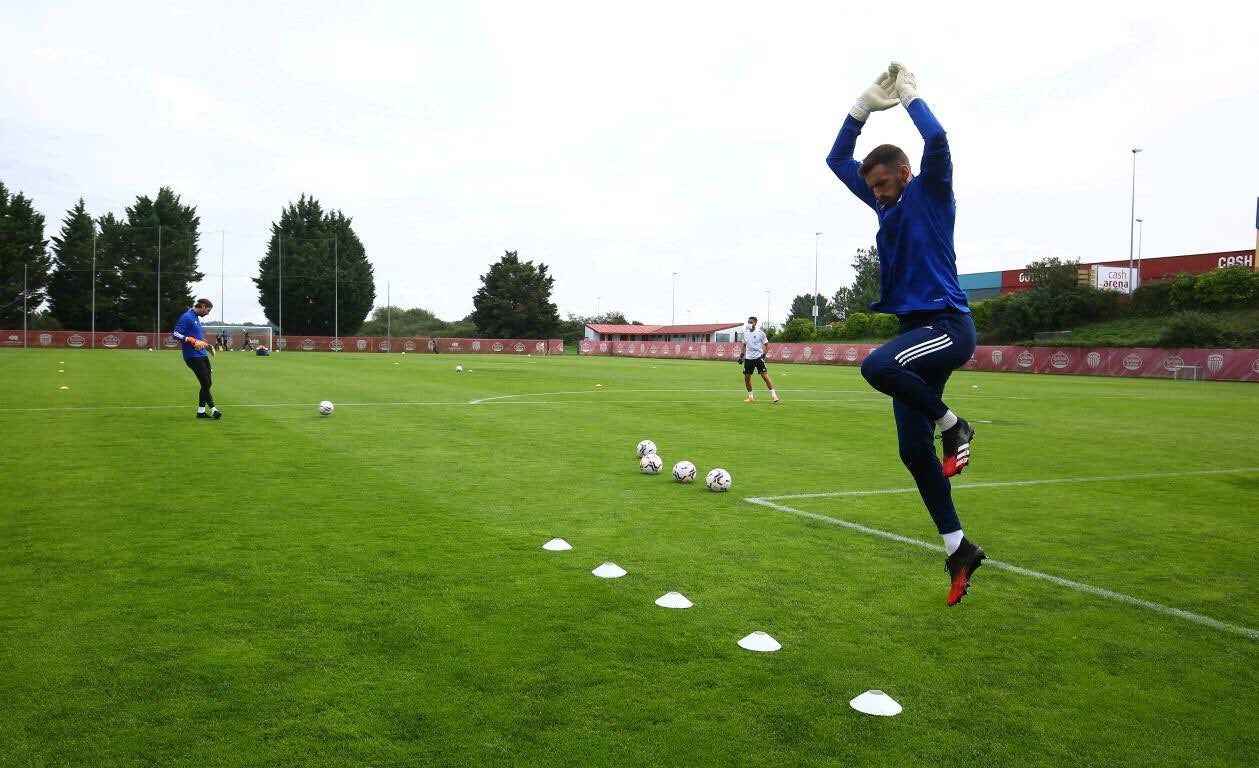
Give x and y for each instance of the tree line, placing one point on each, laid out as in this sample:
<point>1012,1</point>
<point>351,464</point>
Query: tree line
<point>136,272</point>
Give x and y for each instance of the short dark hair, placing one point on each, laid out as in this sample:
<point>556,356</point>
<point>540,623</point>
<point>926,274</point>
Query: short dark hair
<point>885,154</point>
<point>752,318</point>
<point>204,303</point>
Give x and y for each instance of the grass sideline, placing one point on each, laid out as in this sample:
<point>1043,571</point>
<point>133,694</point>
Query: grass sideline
<point>280,588</point>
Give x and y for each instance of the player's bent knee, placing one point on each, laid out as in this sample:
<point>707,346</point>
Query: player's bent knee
<point>877,370</point>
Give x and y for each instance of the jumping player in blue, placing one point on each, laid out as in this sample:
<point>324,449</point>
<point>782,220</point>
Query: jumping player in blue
<point>917,283</point>
<point>192,339</point>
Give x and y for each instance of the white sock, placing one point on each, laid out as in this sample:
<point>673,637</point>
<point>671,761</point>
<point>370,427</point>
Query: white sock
<point>751,396</point>
<point>200,409</point>
<point>773,393</point>
<point>952,541</point>
<point>213,408</point>
<point>946,421</point>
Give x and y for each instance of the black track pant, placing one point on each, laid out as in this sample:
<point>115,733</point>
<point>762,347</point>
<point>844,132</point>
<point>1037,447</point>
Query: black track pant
<point>201,367</point>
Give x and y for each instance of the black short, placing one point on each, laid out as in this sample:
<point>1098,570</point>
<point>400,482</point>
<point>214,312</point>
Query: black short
<point>757,365</point>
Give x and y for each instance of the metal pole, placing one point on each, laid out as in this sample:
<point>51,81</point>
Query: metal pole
<point>388,315</point>
<point>816,235</point>
<point>24,331</point>
<point>766,323</point>
<point>93,285</point>
<point>1132,216</point>
<point>280,289</point>
<point>157,322</point>
<point>336,291</point>
<point>222,280</point>
<point>674,320</point>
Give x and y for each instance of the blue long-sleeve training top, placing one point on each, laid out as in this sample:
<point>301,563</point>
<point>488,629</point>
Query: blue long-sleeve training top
<point>189,327</point>
<point>917,263</point>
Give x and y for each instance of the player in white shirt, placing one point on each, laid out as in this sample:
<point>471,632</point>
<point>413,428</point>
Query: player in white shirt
<point>753,359</point>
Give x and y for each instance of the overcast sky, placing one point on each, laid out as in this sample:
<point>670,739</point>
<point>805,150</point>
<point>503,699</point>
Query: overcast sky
<point>620,143</point>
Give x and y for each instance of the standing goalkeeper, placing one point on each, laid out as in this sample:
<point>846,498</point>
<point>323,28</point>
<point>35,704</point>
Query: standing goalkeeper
<point>917,283</point>
<point>191,338</point>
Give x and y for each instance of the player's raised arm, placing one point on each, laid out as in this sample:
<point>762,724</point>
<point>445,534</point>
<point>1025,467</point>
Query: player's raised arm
<point>877,97</point>
<point>937,163</point>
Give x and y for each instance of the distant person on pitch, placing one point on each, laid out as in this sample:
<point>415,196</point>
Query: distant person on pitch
<point>191,338</point>
<point>753,359</point>
<point>917,283</point>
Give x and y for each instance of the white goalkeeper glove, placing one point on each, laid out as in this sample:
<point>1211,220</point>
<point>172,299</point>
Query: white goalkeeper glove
<point>876,98</point>
<point>904,84</point>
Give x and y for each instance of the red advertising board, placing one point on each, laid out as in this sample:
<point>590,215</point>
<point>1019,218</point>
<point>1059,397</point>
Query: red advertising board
<point>1170,266</point>
<point>82,340</point>
<point>1151,269</point>
<point>1211,364</point>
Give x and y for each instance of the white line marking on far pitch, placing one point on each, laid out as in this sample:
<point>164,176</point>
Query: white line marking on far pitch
<point>1166,610</point>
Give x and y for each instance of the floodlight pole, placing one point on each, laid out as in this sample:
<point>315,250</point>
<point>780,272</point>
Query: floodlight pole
<point>816,235</point>
<point>222,279</point>
<point>336,290</point>
<point>767,302</point>
<point>1131,217</point>
<point>93,285</point>
<point>24,330</point>
<point>157,321</point>
<point>280,289</point>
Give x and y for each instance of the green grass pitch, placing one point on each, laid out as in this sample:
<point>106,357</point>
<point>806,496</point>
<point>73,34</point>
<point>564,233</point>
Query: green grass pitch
<point>281,588</point>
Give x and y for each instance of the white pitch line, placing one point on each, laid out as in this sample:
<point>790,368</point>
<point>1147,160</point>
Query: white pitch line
<point>1016,483</point>
<point>1068,583</point>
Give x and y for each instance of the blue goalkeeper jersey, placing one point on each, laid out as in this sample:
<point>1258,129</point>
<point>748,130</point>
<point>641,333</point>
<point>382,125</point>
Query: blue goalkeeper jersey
<point>189,327</point>
<point>917,263</point>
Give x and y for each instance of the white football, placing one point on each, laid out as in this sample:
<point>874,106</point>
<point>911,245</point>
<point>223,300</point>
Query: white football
<point>325,407</point>
<point>458,369</point>
<point>646,447</point>
<point>718,480</point>
<point>650,464</point>
<point>684,472</point>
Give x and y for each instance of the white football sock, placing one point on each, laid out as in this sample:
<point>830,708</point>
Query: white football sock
<point>200,409</point>
<point>952,541</point>
<point>946,421</point>
<point>773,393</point>
<point>751,396</point>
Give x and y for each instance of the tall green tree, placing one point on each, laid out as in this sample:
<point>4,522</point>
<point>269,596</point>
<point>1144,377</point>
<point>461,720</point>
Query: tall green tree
<point>24,259</point>
<point>156,258</point>
<point>514,301</point>
<point>329,286</point>
<point>865,286</point>
<point>802,307</point>
<point>70,287</point>
<point>110,243</point>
